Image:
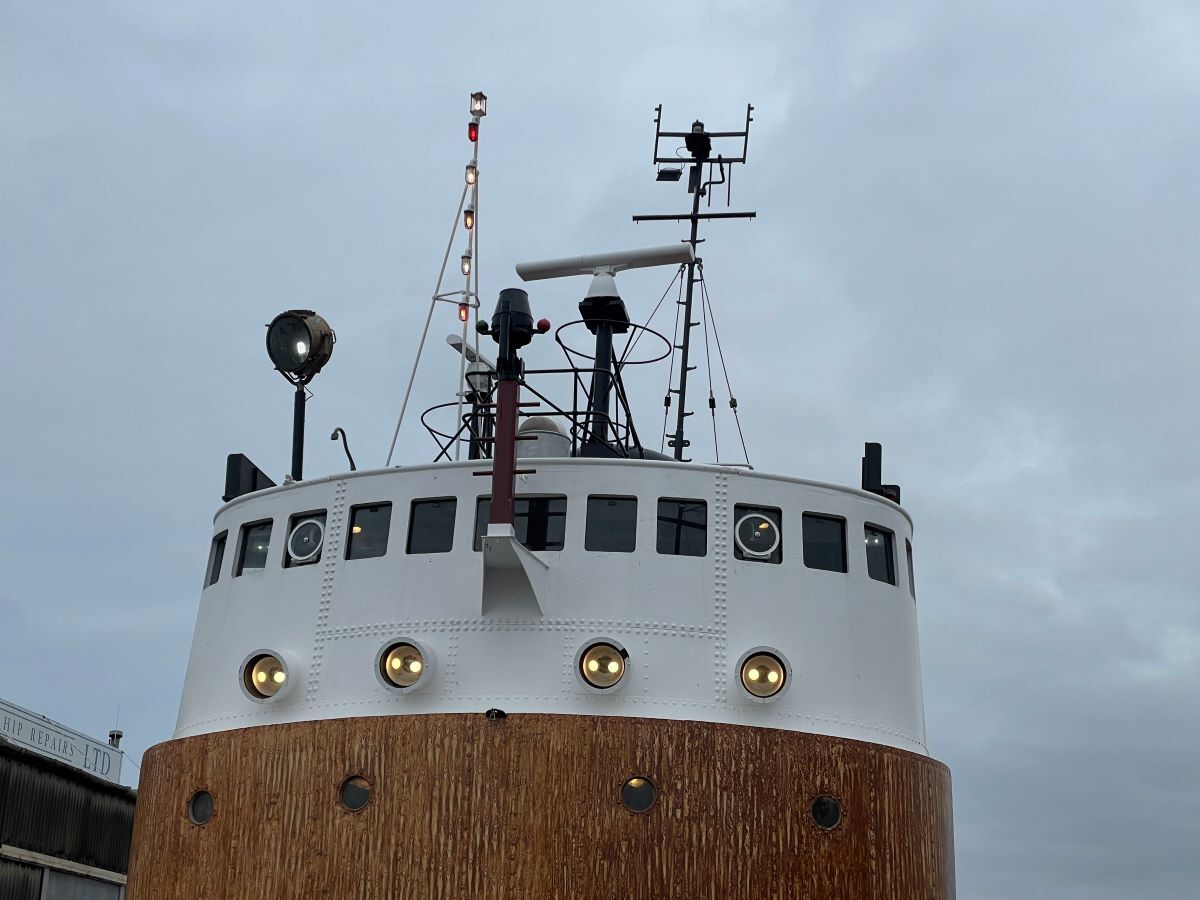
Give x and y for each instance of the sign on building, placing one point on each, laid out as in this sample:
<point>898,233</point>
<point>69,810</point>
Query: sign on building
<point>37,733</point>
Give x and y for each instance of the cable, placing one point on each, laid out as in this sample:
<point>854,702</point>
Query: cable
<point>721,354</point>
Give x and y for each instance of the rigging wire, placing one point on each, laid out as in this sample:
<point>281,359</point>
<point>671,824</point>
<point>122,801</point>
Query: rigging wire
<point>721,355</point>
<point>705,314</point>
<point>638,336</point>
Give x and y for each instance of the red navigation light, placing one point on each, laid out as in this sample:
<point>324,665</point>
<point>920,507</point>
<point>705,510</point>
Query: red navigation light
<point>543,326</point>
<point>464,312</point>
<point>473,131</point>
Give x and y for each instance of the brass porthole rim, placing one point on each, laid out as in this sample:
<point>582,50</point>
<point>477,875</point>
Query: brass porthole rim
<point>653,787</point>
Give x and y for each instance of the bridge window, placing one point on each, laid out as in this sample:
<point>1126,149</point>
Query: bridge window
<point>256,539</point>
<point>431,525</point>
<point>216,556</point>
<point>758,533</point>
<point>306,538</point>
<point>540,522</point>
<point>824,542</point>
<point>611,524</point>
<point>369,528</point>
<point>682,527</point>
<point>881,563</point>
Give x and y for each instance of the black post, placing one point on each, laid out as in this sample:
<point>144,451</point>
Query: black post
<point>678,441</point>
<point>298,435</point>
<point>601,386</point>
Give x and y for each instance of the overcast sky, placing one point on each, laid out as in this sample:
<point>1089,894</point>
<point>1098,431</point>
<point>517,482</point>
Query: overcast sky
<point>976,243</point>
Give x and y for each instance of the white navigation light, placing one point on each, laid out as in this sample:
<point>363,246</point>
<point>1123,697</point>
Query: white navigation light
<point>466,263</point>
<point>602,665</point>
<point>472,173</point>
<point>479,104</point>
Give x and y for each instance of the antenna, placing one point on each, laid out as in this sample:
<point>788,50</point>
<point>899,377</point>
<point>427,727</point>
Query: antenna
<point>699,144</point>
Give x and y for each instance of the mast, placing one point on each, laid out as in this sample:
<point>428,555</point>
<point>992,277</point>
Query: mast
<point>698,142</point>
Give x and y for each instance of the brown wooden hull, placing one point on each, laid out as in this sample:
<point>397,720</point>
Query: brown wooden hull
<point>528,806</point>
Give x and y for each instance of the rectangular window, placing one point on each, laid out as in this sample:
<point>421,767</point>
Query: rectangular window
<point>611,524</point>
<point>824,542</point>
<point>216,556</point>
<point>256,539</point>
<point>540,522</point>
<point>682,527</point>
<point>369,527</point>
<point>431,525</point>
<point>758,533</point>
<point>912,581</point>
<point>881,564</point>
<point>305,539</point>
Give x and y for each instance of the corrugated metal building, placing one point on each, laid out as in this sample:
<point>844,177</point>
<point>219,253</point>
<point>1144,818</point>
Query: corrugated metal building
<point>64,834</point>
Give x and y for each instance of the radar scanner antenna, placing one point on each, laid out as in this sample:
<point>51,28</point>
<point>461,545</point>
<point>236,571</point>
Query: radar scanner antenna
<point>604,314</point>
<point>699,144</point>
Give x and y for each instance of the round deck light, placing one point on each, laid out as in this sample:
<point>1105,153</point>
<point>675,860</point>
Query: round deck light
<point>264,675</point>
<point>304,543</point>
<point>602,665</point>
<point>764,675</point>
<point>299,343</point>
<point>402,665</point>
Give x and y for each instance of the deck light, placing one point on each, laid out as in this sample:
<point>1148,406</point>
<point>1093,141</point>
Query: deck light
<point>479,104</point>
<point>402,665</point>
<point>264,676</point>
<point>466,263</point>
<point>469,218</point>
<point>763,675</point>
<point>602,665</point>
<point>472,173</point>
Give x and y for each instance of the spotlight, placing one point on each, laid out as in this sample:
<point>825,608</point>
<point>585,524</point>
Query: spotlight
<point>402,665</point>
<point>264,676</point>
<point>669,173</point>
<point>602,665</point>
<point>299,343</point>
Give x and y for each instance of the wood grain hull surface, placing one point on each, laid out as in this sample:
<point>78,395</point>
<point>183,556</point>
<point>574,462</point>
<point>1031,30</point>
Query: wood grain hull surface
<point>528,806</point>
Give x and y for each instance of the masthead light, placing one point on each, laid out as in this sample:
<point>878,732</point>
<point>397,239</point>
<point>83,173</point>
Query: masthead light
<point>479,104</point>
<point>466,263</point>
<point>469,218</point>
<point>472,173</point>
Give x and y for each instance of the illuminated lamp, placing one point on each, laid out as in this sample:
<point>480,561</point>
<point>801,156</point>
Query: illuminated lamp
<point>479,104</point>
<point>602,665</point>
<point>472,131</point>
<point>464,312</point>
<point>402,665</point>
<point>466,263</point>
<point>763,675</point>
<point>472,172</point>
<point>469,218</point>
<point>264,675</point>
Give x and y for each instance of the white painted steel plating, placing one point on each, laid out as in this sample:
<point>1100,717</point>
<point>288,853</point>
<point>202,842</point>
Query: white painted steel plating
<point>507,624</point>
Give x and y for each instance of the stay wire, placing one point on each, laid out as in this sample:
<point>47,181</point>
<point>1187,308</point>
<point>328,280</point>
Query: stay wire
<point>721,355</point>
<point>705,314</point>
<point>638,336</point>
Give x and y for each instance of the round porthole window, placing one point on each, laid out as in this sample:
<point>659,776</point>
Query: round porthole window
<point>638,794</point>
<point>304,543</point>
<point>757,536</point>
<point>355,793</point>
<point>200,807</point>
<point>826,812</point>
<point>264,675</point>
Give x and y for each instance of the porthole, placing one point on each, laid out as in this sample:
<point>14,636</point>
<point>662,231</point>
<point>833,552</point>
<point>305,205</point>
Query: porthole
<point>826,812</point>
<point>200,807</point>
<point>638,794</point>
<point>602,664</point>
<point>764,674</point>
<point>304,543</point>
<point>355,793</point>
<point>403,665</point>
<point>264,675</point>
